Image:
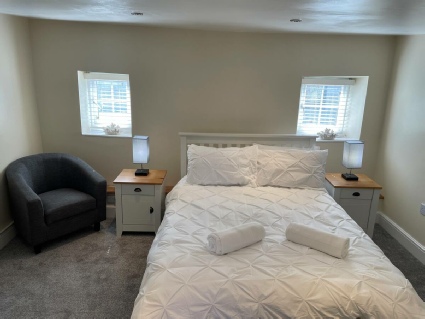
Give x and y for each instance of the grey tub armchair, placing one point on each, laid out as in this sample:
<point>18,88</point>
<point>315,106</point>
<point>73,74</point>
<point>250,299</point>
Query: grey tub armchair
<point>53,194</point>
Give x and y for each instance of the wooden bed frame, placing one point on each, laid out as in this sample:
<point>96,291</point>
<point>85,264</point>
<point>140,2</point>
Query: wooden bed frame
<point>240,140</point>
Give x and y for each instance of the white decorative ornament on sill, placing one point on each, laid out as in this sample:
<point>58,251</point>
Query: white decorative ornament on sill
<point>112,129</point>
<point>327,134</point>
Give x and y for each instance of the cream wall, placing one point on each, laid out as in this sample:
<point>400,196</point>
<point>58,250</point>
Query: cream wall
<point>19,126</point>
<point>186,80</point>
<point>401,164</point>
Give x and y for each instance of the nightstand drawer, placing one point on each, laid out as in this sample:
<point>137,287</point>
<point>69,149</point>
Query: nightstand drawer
<point>356,193</point>
<point>138,189</point>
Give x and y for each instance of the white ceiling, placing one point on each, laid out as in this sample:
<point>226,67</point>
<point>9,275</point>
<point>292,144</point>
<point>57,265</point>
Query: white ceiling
<point>397,17</point>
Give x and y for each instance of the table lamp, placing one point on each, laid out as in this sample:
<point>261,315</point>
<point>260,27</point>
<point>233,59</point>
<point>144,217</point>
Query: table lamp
<point>141,153</point>
<point>352,158</point>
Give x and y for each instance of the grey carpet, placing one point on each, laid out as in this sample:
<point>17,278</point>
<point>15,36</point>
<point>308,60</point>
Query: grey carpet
<point>412,268</point>
<point>84,275</point>
<point>95,275</point>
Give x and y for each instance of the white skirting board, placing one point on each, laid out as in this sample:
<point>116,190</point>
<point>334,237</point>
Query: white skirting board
<point>7,234</point>
<point>403,237</point>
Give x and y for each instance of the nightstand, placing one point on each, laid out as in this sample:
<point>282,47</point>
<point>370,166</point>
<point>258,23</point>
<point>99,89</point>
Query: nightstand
<point>358,198</point>
<point>139,200</point>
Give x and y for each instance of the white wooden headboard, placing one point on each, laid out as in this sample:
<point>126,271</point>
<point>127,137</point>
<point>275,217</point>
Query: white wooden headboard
<point>239,140</point>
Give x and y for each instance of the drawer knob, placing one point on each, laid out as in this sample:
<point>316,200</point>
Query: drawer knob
<point>151,210</point>
<point>137,190</point>
<point>356,194</point>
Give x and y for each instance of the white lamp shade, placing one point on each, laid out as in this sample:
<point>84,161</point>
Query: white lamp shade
<point>140,149</point>
<point>353,154</point>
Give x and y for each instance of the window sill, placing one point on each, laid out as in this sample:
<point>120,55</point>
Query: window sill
<point>105,135</point>
<point>336,140</point>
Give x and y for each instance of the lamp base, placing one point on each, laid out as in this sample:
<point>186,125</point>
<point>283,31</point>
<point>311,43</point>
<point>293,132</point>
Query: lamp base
<point>142,172</point>
<point>349,177</point>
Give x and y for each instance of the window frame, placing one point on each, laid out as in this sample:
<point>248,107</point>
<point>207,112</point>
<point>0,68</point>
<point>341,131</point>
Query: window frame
<point>88,90</point>
<point>342,126</point>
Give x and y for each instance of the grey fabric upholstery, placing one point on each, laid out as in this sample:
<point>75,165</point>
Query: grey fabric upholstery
<point>52,194</point>
<point>62,203</point>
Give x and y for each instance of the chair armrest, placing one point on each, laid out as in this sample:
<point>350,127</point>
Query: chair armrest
<point>27,208</point>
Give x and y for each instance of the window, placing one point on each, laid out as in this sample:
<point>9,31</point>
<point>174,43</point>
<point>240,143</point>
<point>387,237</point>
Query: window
<point>334,103</point>
<point>105,104</point>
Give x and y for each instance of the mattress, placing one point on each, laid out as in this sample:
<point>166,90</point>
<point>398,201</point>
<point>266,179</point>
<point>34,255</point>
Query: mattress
<point>274,278</point>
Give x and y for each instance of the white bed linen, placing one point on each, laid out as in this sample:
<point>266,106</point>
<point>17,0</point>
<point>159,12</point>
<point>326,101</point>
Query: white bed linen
<point>274,278</point>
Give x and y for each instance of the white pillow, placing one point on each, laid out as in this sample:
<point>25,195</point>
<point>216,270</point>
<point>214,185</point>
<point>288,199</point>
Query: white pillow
<point>292,168</point>
<point>222,166</point>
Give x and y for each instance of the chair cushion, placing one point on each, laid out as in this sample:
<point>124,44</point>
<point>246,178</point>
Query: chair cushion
<point>65,202</point>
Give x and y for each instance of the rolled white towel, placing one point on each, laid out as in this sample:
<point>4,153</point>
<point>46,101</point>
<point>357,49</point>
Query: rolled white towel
<point>235,238</point>
<point>328,243</point>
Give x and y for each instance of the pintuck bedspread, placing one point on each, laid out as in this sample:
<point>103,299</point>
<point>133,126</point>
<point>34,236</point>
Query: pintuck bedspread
<point>274,278</point>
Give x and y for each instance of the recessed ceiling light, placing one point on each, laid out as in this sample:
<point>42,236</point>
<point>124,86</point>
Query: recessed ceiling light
<point>136,13</point>
<point>295,20</point>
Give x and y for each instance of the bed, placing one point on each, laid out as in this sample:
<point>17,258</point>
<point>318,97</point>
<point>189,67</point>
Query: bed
<point>273,278</point>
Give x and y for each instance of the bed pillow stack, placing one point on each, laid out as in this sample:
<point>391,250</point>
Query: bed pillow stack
<point>257,165</point>
<point>222,166</point>
<point>301,168</point>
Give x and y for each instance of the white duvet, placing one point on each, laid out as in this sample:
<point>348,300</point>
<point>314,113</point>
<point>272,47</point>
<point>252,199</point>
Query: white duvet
<point>274,278</point>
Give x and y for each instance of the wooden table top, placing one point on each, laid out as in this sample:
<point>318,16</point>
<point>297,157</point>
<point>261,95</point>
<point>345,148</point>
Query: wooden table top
<point>155,177</point>
<point>364,181</point>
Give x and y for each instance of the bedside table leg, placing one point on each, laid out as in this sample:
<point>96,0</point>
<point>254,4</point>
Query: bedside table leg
<point>118,209</point>
<point>119,225</point>
<point>372,215</point>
